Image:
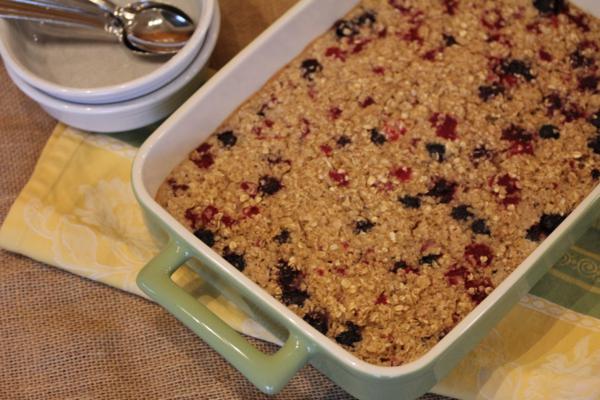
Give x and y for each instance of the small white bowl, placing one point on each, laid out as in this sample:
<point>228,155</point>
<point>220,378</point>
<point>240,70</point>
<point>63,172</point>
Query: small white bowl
<point>131,114</point>
<point>98,72</point>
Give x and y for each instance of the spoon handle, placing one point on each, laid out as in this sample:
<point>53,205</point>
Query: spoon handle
<point>35,11</point>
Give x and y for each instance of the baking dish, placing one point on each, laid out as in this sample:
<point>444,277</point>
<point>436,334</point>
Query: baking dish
<point>193,123</point>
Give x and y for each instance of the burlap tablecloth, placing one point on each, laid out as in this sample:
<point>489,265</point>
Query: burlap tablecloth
<point>62,336</point>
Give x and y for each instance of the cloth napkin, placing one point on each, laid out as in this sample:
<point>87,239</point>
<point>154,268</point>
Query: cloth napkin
<point>78,212</point>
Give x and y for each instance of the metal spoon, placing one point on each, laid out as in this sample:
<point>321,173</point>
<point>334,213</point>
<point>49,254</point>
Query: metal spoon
<point>145,27</point>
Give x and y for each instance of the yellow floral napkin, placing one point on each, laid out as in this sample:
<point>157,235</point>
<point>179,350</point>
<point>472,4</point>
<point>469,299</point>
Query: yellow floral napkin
<point>78,213</point>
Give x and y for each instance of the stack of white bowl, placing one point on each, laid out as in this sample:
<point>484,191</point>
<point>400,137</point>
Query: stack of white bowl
<point>101,86</point>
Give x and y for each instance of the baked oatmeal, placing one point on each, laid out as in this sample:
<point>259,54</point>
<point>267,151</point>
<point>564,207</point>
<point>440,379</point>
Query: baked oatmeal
<point>395,172</point>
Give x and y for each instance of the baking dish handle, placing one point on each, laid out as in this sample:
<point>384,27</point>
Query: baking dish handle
<point>269,373</point>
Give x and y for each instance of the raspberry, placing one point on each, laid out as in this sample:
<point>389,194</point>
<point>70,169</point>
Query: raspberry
<point>205,236</point>
<point>227,138</point>
<point>350,336</point>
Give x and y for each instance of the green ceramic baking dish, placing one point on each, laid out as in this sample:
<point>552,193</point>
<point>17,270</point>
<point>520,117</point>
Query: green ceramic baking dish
<point>191,125</point>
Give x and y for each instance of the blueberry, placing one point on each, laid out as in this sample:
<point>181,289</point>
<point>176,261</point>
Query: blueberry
<point>377,137</point>
<point>595,174</point>
<point>206,236</point>
<point>345,28</point>
<point>550,7</point>
<point>461,212</point>
<point>487,92</point>
<point>436,151</point>
<point>227,138</point>
<point>289,280</point>
<point>449,40</point>
<point>269,185</point>
<point>288,276</point>
<point>534,233</point>
<point>481,152</point>
<point>368,17</point>
<point>398,265</point>
<point>516,67</point>
<point>318,320</point>
<point>595,120</point>
<point>343,141</point>
<point>589,83</point>
<point>351,335</point>
<point>578,60</point>
<point>480,227</point>
<point>443,190</point>
<point>410,201</point>
<point>594,144</point>
<point>429,259</point>
<point>293,295</point>
<point>310,67</point>
<point>549,132</point>
<point>363,226</point>
<point>546,225</point>
<point>282,237</point>
<point>235,259</point>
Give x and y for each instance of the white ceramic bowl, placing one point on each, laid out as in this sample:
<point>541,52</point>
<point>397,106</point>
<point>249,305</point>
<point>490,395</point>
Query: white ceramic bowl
<point>131,114</point>
<point>98,72</point>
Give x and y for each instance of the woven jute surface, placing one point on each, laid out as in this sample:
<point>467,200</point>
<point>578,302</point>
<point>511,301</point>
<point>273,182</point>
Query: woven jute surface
<point>62,336</point>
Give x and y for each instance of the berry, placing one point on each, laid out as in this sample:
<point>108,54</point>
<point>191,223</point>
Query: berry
<point>204,161</point>
<point>363,226</point>
<point>227,138</point>
<point>480,227</point>
<point>269,185</point>
<point>436,151</point>
<point>235,259</point>
<point>595,120</point>
<point>282,237</point>
<point>595,174</point>
<point>550,7</point>
<point>449,40</point>
<point>479,254</point>
<point>350,336</point>
<point>487,92</point>
<point>546,225</point>
<point>410,201</point>
<point>516,67</point>
<point>310,66</point>
<point>461,213</point>
<point>515,133</point>
<point>589,83</point>
<point>289,280</point>
<point>447,129</point>
<point>205,236</point>
<point>443,190</point>
<point>481,152</point>
<point>578,60</point>
<point>594,144</point>
<point>429,259</point>
<point>318,320</point>
<point>368,17</point>
<point>549,132</point>
<point>377,137</point>
<point>399,265</point>
<point>343,141</point>
<point>345,28</point>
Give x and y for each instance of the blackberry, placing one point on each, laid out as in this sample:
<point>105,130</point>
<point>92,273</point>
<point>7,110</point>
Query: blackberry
<point>206,236</point>
<point>363,226</point>
<point>282,237</point>
<point>351,335</point>
<point>227,138</point>
<point>235,259</point>
<point>443,190</point>
<point>269,185</point>
<point>310,67</point>
<point>436,151</point>
<point>487,92</point>
<point>410,201</point>
<point>429,259</point>
<point>480,227</point>
<point>516,67</point>
<point>377,137</point>
<point>318,320</point>
<point>550,7</point>
<point>549,132</point>
<point>461,213</point>
<point>345,28</point>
